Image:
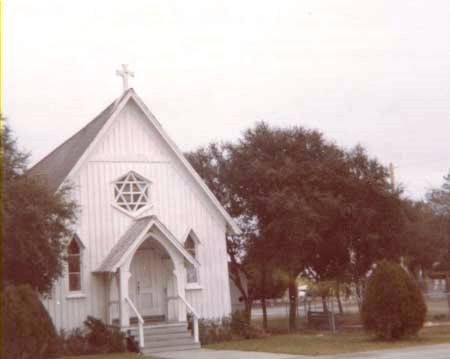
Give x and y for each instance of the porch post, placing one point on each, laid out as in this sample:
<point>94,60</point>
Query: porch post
<point>180,278</point>
<point>108,277</point>
<point>122,277</point>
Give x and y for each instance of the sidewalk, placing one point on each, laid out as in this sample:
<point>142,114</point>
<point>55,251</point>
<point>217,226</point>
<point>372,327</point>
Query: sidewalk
<point>439,351</point>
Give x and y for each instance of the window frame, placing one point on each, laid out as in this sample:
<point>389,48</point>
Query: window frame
<point>135,213</point>
<point>193,236</point>
<point>75,293</point>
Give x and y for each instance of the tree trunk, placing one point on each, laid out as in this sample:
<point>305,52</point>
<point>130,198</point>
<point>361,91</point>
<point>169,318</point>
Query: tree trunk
<point>248,308</point>
<point>293,293</point>
<point>338,298</point>
<point>264,311</point>
<point>263,299</point>
<point>358,295</point>
<point>235,273</point>
<point>447,282</point>
<point>324,304</point>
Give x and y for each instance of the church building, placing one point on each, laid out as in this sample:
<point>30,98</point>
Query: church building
<point>149,246</point>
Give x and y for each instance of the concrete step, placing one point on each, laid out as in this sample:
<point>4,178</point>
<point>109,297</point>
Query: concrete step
<point>151,351</point>
<point>151,338</point>
<point>160,329</point>
<point>165,337</point>
<point>169,342</point>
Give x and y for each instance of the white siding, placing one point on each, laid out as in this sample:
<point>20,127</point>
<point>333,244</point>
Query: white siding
<point>132,144</point>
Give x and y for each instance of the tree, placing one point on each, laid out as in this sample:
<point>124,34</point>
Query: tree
<point>35,222</point>
<point>439,200</point>
<point>286,178</point>
<point>423,240</point>
<point>308,205</point>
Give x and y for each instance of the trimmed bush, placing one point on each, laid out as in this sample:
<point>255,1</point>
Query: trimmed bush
<point>28,330</point>
<point>393,306</point>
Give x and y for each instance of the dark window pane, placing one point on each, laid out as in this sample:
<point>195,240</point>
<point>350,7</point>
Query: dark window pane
<point>189,244</point>
<point>74,263</point>
<point>74,281</point>
<point>136,197</point>
<point>73,247</point>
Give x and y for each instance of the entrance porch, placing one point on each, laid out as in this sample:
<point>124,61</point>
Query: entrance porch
<point>145,278</point>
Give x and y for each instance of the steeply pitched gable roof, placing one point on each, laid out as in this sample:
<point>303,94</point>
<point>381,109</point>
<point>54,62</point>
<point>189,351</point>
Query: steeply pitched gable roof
<point>55,167</point>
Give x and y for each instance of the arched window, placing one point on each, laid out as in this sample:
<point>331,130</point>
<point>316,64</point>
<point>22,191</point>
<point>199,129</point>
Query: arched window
<point>74,265</point>
<point>191,271</point>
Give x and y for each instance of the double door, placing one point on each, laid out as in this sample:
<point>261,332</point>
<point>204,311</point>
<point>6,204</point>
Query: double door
<point>148,283</point>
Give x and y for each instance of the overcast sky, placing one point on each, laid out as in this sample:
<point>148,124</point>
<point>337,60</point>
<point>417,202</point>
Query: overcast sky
<point>370,72</point>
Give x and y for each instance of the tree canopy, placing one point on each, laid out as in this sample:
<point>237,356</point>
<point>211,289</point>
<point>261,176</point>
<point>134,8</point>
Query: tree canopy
<point>307,205</point>
<point>35,222</point>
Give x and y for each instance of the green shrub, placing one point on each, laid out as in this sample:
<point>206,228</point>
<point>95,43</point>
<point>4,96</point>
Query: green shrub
<point>240,324</point>
<point>96,338</point>
<point>214,331</point>
<point>73,343</point>
<point>105,339</point>
<point>393,306</point>
<point>28,330</point>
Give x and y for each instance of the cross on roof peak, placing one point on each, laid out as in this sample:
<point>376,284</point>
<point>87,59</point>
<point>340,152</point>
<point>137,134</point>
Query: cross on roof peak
<point>125,73</point>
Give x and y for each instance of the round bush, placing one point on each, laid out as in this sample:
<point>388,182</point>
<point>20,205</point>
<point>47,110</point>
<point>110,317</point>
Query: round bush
<point>28,330</point>
<point>393,305</point>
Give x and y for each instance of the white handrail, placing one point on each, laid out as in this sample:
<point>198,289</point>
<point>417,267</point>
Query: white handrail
<point>140,323</point>
<point>195,316</point>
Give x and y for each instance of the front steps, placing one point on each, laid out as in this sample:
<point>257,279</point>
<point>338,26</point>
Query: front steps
<point>165,337</point>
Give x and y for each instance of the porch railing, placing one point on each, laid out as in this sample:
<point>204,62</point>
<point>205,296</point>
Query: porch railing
<point>194,317</point>
<point>140,323</point>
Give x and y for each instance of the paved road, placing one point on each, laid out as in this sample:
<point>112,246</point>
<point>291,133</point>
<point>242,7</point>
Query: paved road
<point>424,352</point>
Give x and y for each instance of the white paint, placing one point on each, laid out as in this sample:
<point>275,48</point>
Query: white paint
<point>178,202</point>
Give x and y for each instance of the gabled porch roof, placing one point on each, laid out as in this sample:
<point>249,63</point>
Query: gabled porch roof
<point>134,236</point>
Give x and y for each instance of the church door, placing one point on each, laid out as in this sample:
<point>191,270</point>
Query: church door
<point>147,283</point>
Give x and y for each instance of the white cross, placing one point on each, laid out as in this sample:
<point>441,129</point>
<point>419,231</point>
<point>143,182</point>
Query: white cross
<point>125,74</point>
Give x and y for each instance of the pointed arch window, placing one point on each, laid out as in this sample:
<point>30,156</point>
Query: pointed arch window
<point>74,252</point>
<point>191,272</point>
<point>132,192</point>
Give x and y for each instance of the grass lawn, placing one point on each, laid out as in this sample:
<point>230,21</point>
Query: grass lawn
<point>309,343</point>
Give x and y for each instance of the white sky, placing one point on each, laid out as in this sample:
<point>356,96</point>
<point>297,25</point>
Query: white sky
<point>370,72</point>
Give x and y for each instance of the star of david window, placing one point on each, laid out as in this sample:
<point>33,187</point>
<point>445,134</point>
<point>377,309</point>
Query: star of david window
<point>132,192</point>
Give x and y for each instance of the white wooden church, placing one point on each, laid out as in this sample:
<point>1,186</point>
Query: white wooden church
<point>149,245</point>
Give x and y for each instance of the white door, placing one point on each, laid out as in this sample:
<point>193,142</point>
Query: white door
<point>146,290</point>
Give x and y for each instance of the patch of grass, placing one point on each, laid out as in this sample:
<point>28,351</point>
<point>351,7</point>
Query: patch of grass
<point>311,343</point>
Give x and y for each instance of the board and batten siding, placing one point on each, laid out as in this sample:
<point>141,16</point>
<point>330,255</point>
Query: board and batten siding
<point>132,143</point>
